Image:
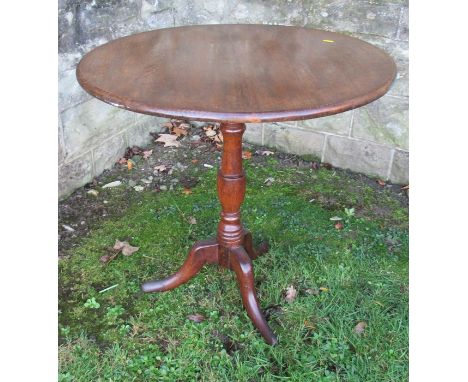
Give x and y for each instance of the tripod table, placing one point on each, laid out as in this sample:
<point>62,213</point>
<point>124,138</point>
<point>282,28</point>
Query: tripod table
<point>235,74</point>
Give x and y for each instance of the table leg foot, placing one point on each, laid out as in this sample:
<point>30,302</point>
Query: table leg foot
<point>241,264</point>
<point>203,252</point>
<point>250,249</point>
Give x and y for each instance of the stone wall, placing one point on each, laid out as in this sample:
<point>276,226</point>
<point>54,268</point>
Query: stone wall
<point>372,139</point>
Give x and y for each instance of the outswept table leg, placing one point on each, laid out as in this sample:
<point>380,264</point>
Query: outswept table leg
<point>203,252</point>
<point>250,249</point>
<point>241,264</point>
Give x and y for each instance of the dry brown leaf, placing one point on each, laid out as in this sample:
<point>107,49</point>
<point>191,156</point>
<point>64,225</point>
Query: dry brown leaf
<point>405,187</point>
<point>125,247</point>
<point>184,125</point>
<point>179,131</point>
<point>381,182</point>
<point>147,154</point>
<point>186,191</point>
<point>291,294</point>
<point>160,168</point>
<point>360,327</point>
<point>195,160</point>
<point>196,317</point>
<point>210,133</point>
<point>191,220</point>
<point>309,325</point>
<point>169,140</point>
<point>122,161</point>
<point>246,155</point>
<point>130,164</point>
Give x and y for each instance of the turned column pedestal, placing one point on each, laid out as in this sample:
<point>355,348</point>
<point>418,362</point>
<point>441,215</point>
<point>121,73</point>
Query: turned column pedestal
<point>233,247</point>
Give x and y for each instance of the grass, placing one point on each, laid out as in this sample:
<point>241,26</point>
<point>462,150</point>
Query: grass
<point>343,276</point>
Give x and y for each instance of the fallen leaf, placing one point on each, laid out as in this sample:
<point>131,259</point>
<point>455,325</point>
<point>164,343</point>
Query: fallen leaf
<point>184,125</point>
<point>191,220</point>
<point>196,317</point>
<point>323,289</point>
<point>360,327</point>
<point>147,154</point>
<point>309,325</point>
<point>160,168</point>
<point>93,192</point>
<point>315,165</point>
<point>381,182</point>
<point>126,248</point>
<point>130,164</point>
<point>246,155</point>
<point>405,187</point>
<point>210,133</point>
<point>122,161</point>
<point>339,225</point>
<point>169,140</point>
<point>328,166</point>
<point>179,131</point>
<point>291,294</point>
<point>186,191</point>
<point>195,161</point>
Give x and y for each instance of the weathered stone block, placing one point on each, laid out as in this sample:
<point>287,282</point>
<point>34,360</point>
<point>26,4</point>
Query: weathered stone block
<point>359,156</point>
<point>266,12</point>
<point>353,16</point>
<point>198,12</point>
<point>70,92</point>
<point>88,124</point>
<point>292,140</point>
<point>399,172</point>
<point>139,133</point>
<point>336,124</point>
<point>75,174</point>
<point>157,14</point>
<point>383,121</point>
<point>108,152</point>
<point>254,133</point>
<point>84,21</point>
<point>403,32</point>
<point>61,149</point>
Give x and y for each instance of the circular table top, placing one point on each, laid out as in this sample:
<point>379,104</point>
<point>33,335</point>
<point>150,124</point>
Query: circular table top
<point>237,73</point>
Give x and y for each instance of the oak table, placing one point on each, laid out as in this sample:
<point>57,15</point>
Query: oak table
<point>235,74</point>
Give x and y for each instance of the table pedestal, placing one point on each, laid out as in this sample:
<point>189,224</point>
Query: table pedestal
<point>233,247</point>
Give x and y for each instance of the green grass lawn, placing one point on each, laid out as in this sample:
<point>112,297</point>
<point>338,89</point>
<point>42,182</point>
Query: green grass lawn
<point>342,276</point>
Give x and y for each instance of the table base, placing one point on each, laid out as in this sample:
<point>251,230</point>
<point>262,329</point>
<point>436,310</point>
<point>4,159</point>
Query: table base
<point>233,247</point>
<point>238,259</point>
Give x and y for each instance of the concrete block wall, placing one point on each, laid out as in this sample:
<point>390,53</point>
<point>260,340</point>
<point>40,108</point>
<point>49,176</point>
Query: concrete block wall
<point>93,135</point>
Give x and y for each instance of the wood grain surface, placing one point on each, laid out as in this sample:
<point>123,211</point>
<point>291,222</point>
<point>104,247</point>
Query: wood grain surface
<point>237,73</point>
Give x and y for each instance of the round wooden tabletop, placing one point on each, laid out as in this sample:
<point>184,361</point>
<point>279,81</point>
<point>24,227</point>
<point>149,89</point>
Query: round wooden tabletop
<point>237,73</point>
